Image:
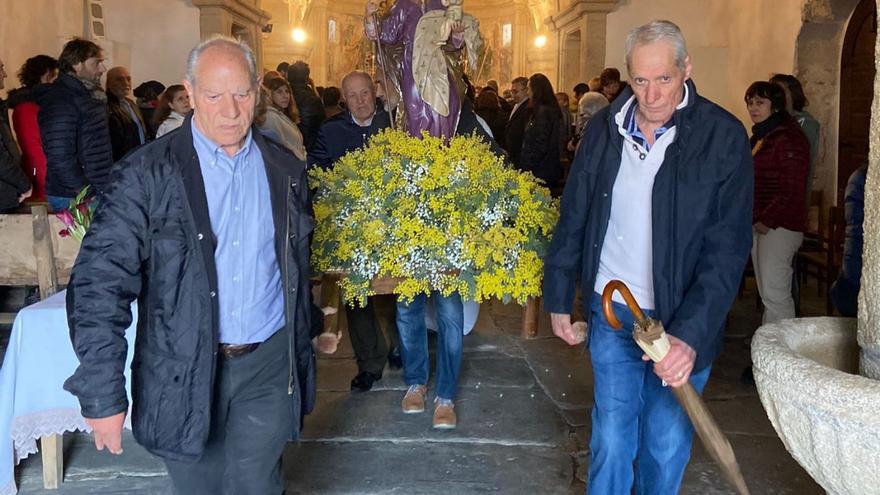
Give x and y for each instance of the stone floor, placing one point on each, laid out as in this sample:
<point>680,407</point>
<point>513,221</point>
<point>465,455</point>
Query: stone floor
<point>523,412</point>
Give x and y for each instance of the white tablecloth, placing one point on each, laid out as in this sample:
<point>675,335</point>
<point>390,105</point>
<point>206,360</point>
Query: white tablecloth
<point>32,401</point>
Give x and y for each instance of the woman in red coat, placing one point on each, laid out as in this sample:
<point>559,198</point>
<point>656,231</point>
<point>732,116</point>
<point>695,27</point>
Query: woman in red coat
<point>41,69</point>
<point>781,155</point>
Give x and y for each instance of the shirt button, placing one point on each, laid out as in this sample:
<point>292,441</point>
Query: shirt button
<point>294,184</point>
<point>200,236</point>
<point>235,279</point>
<point>293,289</point>
<point>235,243</point>
<point>604,195</point>
<point>213,294</point>
<point>595,245</point>
<point>236,208</point>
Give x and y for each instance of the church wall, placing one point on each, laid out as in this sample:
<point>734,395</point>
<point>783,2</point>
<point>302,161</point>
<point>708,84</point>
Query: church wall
<point>731,44</point>
<point>151,38</point>
<point>32,27</point>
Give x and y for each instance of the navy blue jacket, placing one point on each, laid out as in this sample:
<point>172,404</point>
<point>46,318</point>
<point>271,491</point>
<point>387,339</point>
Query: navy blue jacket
<point>845,291</point>
<point>701,214</point>
<point>76,137</point>
<point>340,134</point>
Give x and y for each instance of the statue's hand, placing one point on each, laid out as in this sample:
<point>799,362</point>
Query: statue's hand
<point>372,7</point>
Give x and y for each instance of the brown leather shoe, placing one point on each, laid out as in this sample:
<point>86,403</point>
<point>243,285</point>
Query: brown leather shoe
<point>444,415</point>
<point>414,400</point>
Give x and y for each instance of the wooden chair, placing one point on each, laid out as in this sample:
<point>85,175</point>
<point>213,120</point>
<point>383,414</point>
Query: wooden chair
<point>812,259</point>
<point>836,238</point>
<point>32,253</point>
<point>823,260</point>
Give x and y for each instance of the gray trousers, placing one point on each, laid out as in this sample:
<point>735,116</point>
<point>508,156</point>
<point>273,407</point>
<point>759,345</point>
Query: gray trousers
<point>251,420</point>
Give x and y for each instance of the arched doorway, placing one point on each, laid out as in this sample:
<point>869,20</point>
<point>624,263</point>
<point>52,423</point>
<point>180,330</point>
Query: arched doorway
<point>856,91</point>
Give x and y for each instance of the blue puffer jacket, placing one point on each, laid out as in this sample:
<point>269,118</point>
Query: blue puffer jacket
<point>701,215</point>
<point>845,291</point>
<point>76,137</point>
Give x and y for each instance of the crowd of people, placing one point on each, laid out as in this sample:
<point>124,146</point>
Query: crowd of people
<point>666,191</point>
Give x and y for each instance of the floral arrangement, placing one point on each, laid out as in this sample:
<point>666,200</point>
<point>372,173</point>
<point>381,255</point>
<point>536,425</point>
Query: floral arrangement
<point>78,215</point>
<point>446,217</point>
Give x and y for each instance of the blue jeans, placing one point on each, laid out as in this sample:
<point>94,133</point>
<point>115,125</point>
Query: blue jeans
<point>58,203</point>
<point>414,341</point>
<point>635,418</point>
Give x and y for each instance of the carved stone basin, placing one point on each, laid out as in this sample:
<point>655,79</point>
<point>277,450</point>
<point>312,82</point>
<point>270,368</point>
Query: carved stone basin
<point>827,415</point>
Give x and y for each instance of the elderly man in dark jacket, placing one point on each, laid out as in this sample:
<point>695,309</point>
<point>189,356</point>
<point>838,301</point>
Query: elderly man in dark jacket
<point>208,229</point>
<point>14,185</point>
<point>337,136</point>
<point>73,124</point>
<point>660,199</point>
<point>311,108</point>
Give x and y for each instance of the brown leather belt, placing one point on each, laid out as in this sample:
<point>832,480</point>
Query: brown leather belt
<point>236,350</point>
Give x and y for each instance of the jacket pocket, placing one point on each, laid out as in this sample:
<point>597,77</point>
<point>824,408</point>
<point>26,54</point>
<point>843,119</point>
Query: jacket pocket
<point>169,255</point>
<point>162,416</point>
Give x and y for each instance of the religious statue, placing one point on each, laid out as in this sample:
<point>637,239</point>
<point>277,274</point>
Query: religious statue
<point>428,73</point>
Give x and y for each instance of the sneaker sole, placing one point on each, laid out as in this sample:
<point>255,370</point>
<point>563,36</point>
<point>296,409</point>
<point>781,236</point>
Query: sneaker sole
<point>444,427</point>
<point>413,411</point>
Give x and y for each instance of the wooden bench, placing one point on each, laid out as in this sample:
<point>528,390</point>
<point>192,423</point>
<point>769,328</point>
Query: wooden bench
<point>33,254</point>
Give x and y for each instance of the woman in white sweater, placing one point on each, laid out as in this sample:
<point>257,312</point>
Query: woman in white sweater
<point>282,116</point>
<point>172,110</point>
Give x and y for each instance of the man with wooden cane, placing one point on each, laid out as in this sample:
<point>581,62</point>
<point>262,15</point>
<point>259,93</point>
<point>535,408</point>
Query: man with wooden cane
<point>660,199</point>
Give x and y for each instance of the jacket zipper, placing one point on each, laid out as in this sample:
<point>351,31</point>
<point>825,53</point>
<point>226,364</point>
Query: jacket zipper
<point>291,347</point>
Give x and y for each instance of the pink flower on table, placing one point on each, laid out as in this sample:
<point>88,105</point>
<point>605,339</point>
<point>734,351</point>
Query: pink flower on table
<point>65,217</point>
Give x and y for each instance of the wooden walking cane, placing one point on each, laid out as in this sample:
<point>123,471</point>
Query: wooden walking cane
<point>650,336</point>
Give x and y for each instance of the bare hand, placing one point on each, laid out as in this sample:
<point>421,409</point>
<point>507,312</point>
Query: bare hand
<point>108,432</point>
<point>562,328</point>
<point>327,342</point>
<point>761,228</point>
<point>675,368</point>
<point>25,195</point>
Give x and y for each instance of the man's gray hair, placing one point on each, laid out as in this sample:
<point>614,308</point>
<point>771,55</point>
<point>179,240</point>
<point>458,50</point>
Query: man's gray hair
<point>658,31</point>
<point>219,41</point>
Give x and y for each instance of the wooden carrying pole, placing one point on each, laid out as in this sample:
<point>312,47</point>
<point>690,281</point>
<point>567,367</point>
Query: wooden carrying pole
<point>649,335</point>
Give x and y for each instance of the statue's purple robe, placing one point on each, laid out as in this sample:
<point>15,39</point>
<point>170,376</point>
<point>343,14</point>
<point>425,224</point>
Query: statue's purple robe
<point>400,27</point>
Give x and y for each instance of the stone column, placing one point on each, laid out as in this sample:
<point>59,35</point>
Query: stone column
<point>589,18</point>
<point>869,297</point>
<point>521,37</point>
<point>242,18</point>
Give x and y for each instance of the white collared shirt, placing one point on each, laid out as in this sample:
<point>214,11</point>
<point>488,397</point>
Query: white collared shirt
<point>627,251</point>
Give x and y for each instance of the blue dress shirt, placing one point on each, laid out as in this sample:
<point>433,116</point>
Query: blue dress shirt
<point>248,276</point>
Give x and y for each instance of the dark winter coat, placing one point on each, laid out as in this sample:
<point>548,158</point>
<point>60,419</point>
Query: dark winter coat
<point>340,134</point>
<point>782,162</point>
<point>124,135</point>
<point>845,291</point>
<point>541,145</point>
<point>515,131</point>
<point>76,137</point>
<point>13,182</point>
<point>702,229</point>
<point>151,240</point>
<point>311,111</point>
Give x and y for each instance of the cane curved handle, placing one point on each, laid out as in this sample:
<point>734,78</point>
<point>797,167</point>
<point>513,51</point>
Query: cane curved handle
<point>608,306</point>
